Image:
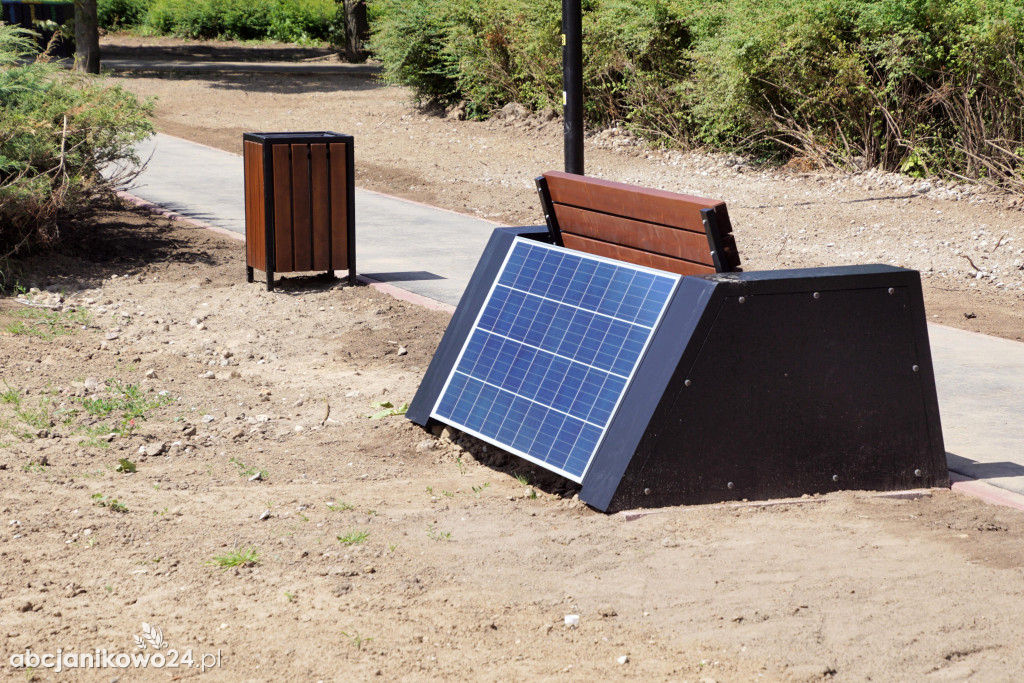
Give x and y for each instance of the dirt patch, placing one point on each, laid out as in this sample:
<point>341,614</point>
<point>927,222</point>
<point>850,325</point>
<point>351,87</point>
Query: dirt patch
<point>386,552</point>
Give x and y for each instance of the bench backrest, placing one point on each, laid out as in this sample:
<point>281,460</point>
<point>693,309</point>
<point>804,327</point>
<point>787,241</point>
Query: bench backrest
<point>663,230</point>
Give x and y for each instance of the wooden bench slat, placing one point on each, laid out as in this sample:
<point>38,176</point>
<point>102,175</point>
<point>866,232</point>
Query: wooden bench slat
<point>302,226</point>
<point>283,259</point>
<point>641,220</point>
<point>639,203</point>
<point>339,205</point>
<point>659,239</point>
<point>321,201</point>
<point>640,258</point>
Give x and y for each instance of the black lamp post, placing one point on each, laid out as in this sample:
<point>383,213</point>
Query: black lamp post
<point>572,84</point>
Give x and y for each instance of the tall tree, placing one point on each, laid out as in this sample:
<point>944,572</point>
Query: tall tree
<point>87,37</point>
<point>356,30</point>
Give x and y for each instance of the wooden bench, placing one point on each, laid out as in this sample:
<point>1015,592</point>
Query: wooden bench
<point>663,230</point>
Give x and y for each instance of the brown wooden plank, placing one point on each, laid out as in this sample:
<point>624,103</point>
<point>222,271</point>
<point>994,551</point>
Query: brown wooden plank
<point>250,207</point>
<point>321,208</point>
<point>682,244</point>
<point>283,260</point>
<point>339,206</point>
<point>258,189</point>
<point>640,258</point>
<point>639,203</point>
<point>254,227</point>
<point>302,223</point>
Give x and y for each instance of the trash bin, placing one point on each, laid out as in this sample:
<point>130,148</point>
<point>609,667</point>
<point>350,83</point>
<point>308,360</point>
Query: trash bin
<point>299,203</point>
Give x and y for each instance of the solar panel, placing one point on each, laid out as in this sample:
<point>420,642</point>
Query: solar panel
<point>551,353</point>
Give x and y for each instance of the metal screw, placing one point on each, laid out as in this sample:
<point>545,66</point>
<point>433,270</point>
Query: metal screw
<point>917,473</point>
<point>835,477</point>
<point>687,383</point>
<point>916,369</point>
<point>743,299</point>
<point>730,485</point>
<point>647,492</point>
<point>892,290</point>
<point>817,295</point>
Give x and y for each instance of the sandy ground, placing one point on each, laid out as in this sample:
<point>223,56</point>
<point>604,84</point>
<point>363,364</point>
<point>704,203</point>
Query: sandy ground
<point>370,549</point>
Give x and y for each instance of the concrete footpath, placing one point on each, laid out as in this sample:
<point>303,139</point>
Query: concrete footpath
<point>431,252</point>
<point>423,249</point>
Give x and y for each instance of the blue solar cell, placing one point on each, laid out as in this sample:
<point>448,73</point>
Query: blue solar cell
<point>552,352</point>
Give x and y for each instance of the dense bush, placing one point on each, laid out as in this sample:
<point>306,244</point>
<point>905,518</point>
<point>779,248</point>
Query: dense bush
<point>292,21</point>
<point>917,85</point>
<point>117,14</point>
<point>57,131</point>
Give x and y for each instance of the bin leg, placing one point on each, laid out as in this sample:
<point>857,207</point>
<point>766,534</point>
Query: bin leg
<point>270,281</point>
<point>248,274</point>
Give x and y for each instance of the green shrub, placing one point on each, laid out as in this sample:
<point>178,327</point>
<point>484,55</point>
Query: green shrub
<point>57,131</point>
<point>293,21</point>
<point>922,86</point>
<point>120,14</point>
<point>412,39</point>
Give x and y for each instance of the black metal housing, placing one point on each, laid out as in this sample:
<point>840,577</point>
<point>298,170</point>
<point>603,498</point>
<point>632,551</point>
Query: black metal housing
<point>758,385</point>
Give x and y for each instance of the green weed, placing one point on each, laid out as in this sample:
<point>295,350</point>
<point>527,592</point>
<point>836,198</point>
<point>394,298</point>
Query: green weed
<point>436,535</point>
<point>10,395</point>
<point>247,471</point>
<point>237,557</point>
<point>357,639</point>
<point>389,409</point>
<point>38,417</point>
<point>127,402</point>
<point>99,500</point>
<point>47,324</point>
<point>340,506</point>
<point>354,537</point>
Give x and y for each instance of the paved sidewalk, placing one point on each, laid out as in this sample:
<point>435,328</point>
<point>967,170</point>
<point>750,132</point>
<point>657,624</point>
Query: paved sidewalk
<point>432,252</point>
<point>390,242</point>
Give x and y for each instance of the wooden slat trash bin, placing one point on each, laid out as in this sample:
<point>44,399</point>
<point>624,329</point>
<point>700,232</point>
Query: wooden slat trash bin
<point>299,203</point>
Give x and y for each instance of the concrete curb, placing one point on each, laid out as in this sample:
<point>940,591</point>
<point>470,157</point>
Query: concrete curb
<point>174,216</point>
<point>992,495</point>
<point>403,295</point>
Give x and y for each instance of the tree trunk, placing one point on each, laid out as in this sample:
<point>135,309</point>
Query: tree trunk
<point>356,30</point>
<point>87,37</point>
